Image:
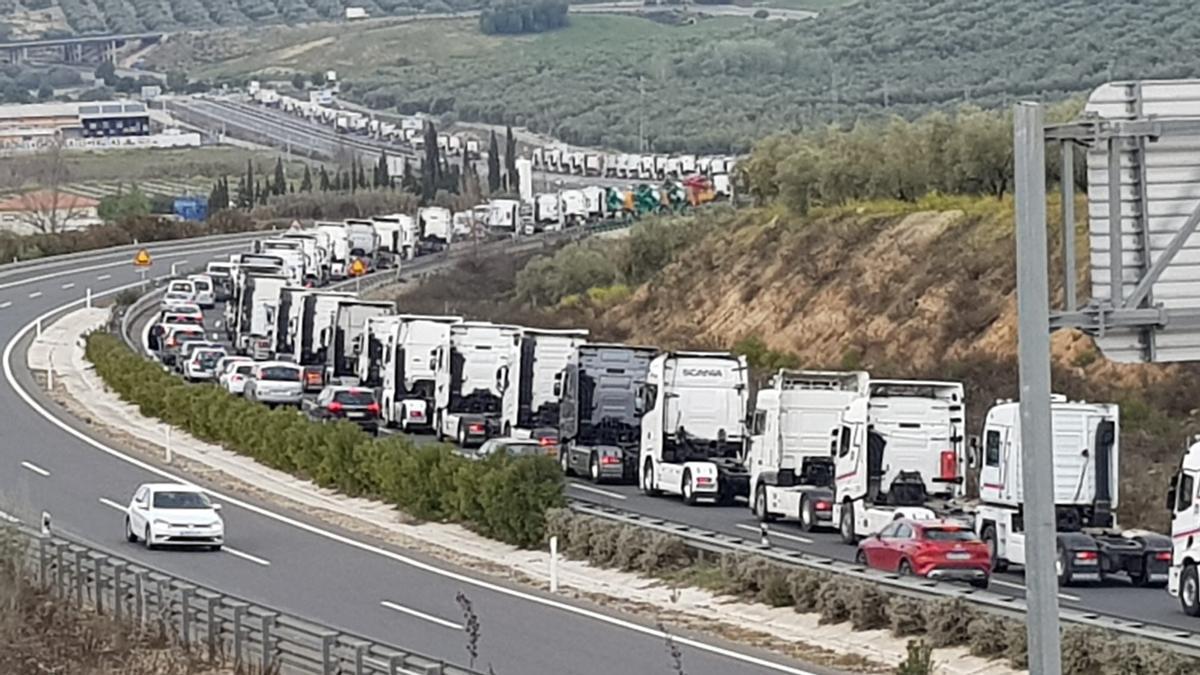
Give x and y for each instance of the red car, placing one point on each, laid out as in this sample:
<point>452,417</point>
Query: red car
<point>928,548</point>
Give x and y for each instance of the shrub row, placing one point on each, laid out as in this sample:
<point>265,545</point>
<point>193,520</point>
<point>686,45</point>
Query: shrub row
<point>501,497</point>
<point>943,622</point>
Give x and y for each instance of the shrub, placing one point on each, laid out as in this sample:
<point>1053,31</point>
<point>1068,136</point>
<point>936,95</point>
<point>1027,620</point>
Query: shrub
<point>868,609</point>
<point>988,635</point>
<point>806,586</point>
<point>948,623</point>
<point>906,615</point>
<point>501,497</point>
<point>919,660</point>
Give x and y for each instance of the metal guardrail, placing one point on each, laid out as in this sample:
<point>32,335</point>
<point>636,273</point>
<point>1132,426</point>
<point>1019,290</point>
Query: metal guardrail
<point>715,542</point>
<point>226,628</point>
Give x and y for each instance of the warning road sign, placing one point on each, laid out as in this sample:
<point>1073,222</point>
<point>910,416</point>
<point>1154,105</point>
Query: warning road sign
<point>142,259</point>
<point>357,268</point>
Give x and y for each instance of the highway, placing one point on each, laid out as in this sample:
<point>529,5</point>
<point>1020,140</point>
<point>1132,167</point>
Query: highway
<point>287,560</point>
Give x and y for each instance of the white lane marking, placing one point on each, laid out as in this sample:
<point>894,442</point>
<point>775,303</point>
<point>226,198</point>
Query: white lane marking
<point>36,469</point>
<point>246,556</point>
<point>776,533</point>
<point>104,277</point>
<point>66,286</point>
<point>421,615</point>
<point>550,603</point>
<point>6,304</point>
<point>1021,587</point>
<point>589,488</point>
<point>9,518</point>
<point>111,503</point>
<point>35,294</point>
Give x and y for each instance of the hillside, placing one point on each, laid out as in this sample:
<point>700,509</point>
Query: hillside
<point>719,84</point>
<point>924,290</point>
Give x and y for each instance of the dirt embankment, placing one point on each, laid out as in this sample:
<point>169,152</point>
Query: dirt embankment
<point>897,291</point>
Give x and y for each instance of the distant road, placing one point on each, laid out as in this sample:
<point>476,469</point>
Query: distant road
<point>631,6</point>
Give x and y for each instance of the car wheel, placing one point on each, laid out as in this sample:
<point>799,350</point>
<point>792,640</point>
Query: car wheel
<point>564,460</point>
<point>989,538</point>
<point>846,526</point>
<point>648,479</point>
<point>808,515</point>
<point>594,468</point>
<point>129,535</point>
<point>1189,590</point>
<point>1062,566</point>
<point>905,569</point>
<point>146,539</point>
<point>860,558</point>
<point>685,489</point>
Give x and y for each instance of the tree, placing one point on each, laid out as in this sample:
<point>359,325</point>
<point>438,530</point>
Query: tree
<point>510,158</point>
<point>325,185</point>
<point>346,187</point>
<point>177,81</point>
<point>218,197</point>
<point>493,164</point>
<point>124,205</point>
<point>383,178</point>
<point>299,81</point>
<point>431,168</point>
<point>251,192</point>
<point>107,72</point>
<point>280,185</point>
<point>306,184</point>
<point>45,91</point>
<point>50,208</point>
<point>362,176</point>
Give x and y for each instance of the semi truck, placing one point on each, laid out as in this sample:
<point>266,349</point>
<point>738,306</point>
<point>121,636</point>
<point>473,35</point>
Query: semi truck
<point>693,408</point>
<point>899,453</point>
<point>316,260</point>
<point>339,248</point>
<point>409,356</point>
<point>1090,546</point>
<point>435,223</point>
<point>363,241</point>
<point>573,208</point>
<point>791,468</point>
<point>391,230</point>
<point>599,426</point>
<point>257,308</point>
<point>1183,501</point>
<point>291,251</point>
<point>533,404</point>
<point>313,334</point>
<point>547,214</point>
<point>473,370</point>
<point>347,333</point>
<point>379,332</point>
<point>504,215</point>
<point>287,319</point>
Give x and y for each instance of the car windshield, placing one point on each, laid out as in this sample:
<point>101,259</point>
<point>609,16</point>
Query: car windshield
<point>354,397</point>
<point>203,286</point>
<point>516,448</point>
<point>181,500</point>
<point>949,534</point>
<point>279,374</point>
<point>208,358</point>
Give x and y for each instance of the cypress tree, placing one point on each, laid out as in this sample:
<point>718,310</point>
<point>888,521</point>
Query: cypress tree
<point>306,182</point>
<point>493,164</point>
<point>280,179</point>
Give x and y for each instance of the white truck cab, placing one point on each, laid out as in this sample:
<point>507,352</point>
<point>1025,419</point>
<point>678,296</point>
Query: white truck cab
<point>1086,450</point>
<point>408,369</point>
<point>1184,501</point>
<point>791,468</point>
<point>533,403</point>
<point>693,408</point>
<point>899,453</point>
<point>474,368</point>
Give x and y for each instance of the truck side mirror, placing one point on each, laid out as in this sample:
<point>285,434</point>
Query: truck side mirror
<point>973,452</point>
<point>1172,492</point>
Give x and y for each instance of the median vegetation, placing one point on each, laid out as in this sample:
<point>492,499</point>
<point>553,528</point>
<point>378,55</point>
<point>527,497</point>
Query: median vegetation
<point>865,606</point>
<point>501,497</point>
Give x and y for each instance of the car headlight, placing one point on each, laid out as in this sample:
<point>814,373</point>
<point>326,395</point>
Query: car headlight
<point>161,523</point>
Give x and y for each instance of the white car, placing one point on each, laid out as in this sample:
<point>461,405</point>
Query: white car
<point>202,363</point>
<point>232,373</point>
<point>173,514</point>
<point>176,299</point>
<point>275,383</point>
<point>204,290</point>
<point>184,286</point>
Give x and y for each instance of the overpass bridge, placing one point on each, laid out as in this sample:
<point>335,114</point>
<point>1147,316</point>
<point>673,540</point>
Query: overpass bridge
<point>79,49</point>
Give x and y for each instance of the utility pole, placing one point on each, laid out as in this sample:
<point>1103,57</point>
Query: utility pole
<point>641,114</point>
<point>1033,343</point>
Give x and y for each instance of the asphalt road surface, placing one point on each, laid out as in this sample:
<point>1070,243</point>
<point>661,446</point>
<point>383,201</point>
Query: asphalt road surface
<point>283,559</point>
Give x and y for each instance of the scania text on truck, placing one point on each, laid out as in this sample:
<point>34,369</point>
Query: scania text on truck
<point>1086,449</point>
<point>1183,500</point>
<point>899,453</point>
<point>599,427</point>
<point>407,395</point>
<point>532,405</point>
<point>791,468</point>
<point>474,367</point>
<point>693,409</point>
<point>349,326</point>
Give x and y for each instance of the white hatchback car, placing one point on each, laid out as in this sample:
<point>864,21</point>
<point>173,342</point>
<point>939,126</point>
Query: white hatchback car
<point>232,373</point>
<point>203,285</point>
<point>173,514</point>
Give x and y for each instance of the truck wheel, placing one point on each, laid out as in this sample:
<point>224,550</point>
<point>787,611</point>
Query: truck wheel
<point>648,480</point>
<point>564,458</point>
<point>808,515</point>
<point>594,469</point>
<point>989,538</point>
<point>685,489</point>
<point>846,526</point>
<point>438,432</point>
<point>760,504</point>
<point>1189,590</point>
<point>1062,565</point>
<point>461,436</point>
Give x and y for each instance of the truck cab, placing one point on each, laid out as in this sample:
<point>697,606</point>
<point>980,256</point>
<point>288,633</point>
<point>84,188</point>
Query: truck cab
<point>1086,450</point>
<point>348,335</point>
<point>409,357</point>
<point>377,332</point>
<point>899,453</point>
<point>533,404</point>
<point>791,468</point>
<point>1183,500</point>
<point>474,369</point>
<point>693,409</point>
